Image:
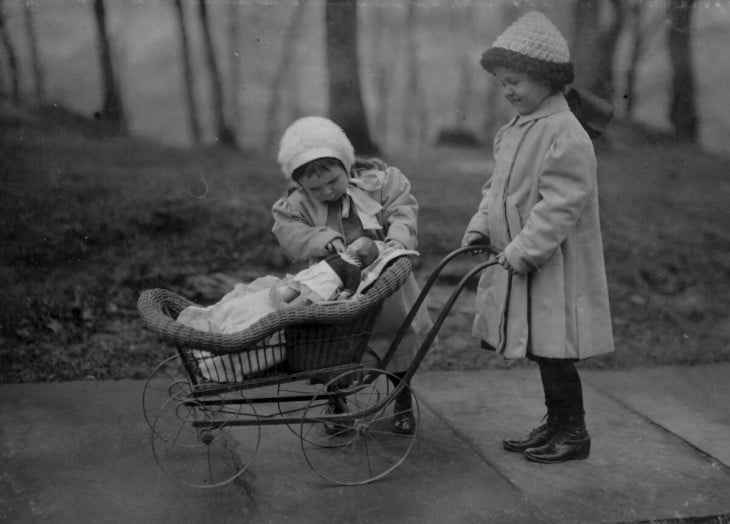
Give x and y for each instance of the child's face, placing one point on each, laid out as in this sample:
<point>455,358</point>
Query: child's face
<point>520,90</point>
<point>328,186</point>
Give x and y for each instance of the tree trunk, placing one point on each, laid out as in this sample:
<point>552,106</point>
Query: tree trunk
<point>414,113</point>
<point>12,58</point>
<point>493,120</point>
<point>38,76</point>
<point>636,16</point>
<point>384,60</point>
<point>112,111</point>
<point>234,66</point>
<point>346,106</point>
<point>225,135</point>
<point>585,42</point>
<point>188,76</point>
<point>682,111</point>
<point>276,88</point>
<point>603,84</point>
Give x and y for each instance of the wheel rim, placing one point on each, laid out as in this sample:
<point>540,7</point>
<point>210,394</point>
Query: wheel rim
<point>300,408</point>
<point>366,448</point>
<point>208,456</point>
<point>167,380</point>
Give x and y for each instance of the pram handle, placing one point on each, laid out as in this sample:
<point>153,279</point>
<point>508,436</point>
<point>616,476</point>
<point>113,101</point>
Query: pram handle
<point>473,249</point>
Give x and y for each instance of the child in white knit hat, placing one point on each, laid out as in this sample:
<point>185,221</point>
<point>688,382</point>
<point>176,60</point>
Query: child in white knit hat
<point>540,208</point>
<point>334,199</point>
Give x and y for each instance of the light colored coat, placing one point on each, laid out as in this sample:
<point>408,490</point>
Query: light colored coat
<point>541,207</point>
<point>302,228</point>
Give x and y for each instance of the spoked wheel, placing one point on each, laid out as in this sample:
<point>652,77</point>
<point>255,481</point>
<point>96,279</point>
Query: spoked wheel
<point>361,445</point>
<point>194,444</point>
<point>168,380</point>
<point>297,408</point>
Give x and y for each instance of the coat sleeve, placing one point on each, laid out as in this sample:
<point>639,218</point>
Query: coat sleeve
<point>565,184</point>
<point>400,209</point>
<point>295,233</point>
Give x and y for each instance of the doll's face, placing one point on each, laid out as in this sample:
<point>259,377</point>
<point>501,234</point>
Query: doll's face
<point>523,92</point>
<point>364,249</point>
<point>327,186</point>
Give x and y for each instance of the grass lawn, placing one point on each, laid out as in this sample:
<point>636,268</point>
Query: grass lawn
<point>89,220</point>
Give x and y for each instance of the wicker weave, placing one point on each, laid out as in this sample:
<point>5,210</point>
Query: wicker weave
<point>317,335</point>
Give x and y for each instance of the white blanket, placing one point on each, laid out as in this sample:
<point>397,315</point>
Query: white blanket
<point>245,305</point>
<point>235,312</point>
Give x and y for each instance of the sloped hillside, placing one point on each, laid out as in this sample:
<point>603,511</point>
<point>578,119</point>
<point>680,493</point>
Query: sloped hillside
<point>89,219</point>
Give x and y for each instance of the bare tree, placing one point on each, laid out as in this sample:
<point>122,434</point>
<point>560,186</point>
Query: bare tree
<point>642,31</point>
<point>494,118</point>
<point>112,111</point>
<point>188,76</point>
<point>636,15</point>
<point>284,68</point>
<point>464,23</point>
<point>234,64</point>
<point>414,114</point>
<point>224,133</point>
<point>594,46</point>
<point>603,84</point>
<point>12,58</point>
<point>38,76</point>
<point>682,111</point>
<point>384,62</point>
<point>346,106</point>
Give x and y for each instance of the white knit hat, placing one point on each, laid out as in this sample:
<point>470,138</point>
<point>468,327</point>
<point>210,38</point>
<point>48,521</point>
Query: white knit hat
<point>535,36</point>
<point>310,138</point>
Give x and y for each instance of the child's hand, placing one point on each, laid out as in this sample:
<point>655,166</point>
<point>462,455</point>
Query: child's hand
<point>473,237</point>
<point>336,245</point>
<point>502,259</point>
<point>344,295</point>
<point>394,244</point>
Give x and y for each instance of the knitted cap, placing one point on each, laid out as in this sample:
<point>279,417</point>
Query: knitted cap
<point>310,138</point>
<point>535,36</point>
<point>534,46</point>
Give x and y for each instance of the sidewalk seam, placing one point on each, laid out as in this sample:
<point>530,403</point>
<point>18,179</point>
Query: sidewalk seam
<point>707,456</point>
<point>466,440</point>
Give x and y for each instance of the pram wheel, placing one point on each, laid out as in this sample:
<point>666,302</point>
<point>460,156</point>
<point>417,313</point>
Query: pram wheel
<point>168,380</point>
<point>194,445</point>
<point>365,447</point>
<point>288,408</point>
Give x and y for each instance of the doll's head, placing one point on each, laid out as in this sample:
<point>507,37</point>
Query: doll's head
<point>531,49</point>
<point>364,249</point>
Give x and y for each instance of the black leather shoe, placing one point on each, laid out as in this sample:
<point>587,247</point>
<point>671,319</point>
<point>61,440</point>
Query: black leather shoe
<point>572,442</point>
<point>539,436</point>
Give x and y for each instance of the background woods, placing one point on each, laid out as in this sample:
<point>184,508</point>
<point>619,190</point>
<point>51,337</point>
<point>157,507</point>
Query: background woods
<point>237,72</point>
<point>138,140</point>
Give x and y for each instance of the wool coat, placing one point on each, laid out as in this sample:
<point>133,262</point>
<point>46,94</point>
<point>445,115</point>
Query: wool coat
<point>540,207</point>
<point>303,226</point>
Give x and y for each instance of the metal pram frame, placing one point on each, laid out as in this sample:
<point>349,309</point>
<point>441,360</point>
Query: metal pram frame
<point>308,368</point>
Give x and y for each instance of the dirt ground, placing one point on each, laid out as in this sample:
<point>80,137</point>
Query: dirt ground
<point>90,219</point>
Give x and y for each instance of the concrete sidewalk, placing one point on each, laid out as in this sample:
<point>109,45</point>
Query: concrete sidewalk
<point>80,452</point>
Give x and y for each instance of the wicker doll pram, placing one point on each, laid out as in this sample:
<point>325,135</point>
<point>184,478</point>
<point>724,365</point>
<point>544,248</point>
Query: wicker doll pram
<point>291,368</point>
<point>312,338</point>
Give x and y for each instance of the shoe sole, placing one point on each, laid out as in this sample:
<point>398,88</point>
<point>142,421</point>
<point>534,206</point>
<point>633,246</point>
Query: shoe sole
<point>583,454</point>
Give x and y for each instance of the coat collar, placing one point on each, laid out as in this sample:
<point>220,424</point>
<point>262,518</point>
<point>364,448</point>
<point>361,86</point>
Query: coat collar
<point>553,104</point>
